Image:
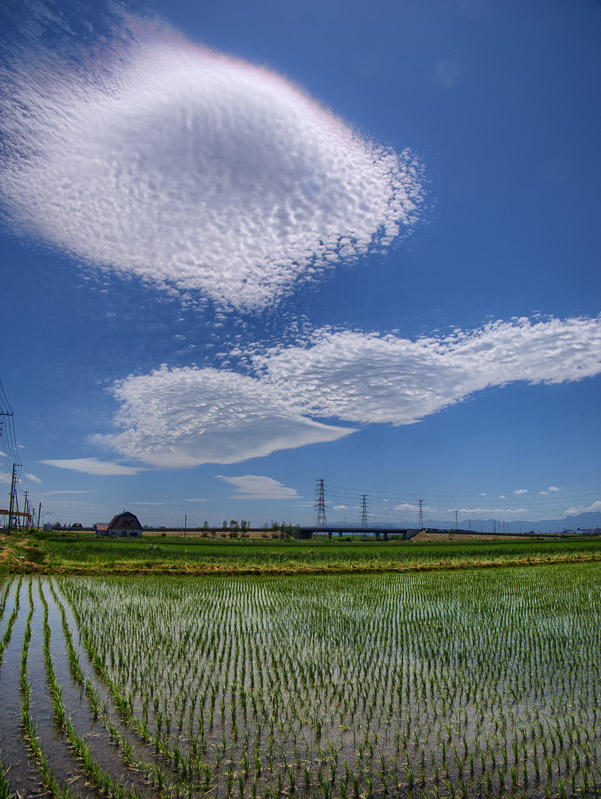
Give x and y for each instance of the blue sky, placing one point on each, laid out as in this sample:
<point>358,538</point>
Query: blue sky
<point>249,245</point>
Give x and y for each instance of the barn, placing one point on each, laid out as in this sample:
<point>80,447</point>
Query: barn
<point>124,525</point>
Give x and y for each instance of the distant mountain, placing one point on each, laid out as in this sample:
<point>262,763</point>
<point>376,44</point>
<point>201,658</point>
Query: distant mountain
<point>584,521</point>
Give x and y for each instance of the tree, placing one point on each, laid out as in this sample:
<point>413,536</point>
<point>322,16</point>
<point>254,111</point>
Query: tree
<point>224,525</point>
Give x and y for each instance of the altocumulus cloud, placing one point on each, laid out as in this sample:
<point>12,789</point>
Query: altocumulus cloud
<point>370,378</point>
<point>160,158</point>
<point>188,416</point>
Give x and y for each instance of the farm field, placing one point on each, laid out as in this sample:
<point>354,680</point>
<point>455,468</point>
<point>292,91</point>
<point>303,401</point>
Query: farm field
<point>484,682</point>
<point>83,553</point>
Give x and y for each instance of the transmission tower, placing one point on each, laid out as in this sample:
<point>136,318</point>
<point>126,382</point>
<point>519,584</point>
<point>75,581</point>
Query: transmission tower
<point>420,518</point>
<point>364,510</point>
<point>320,504</point>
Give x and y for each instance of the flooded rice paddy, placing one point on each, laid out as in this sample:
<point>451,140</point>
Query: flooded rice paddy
<point>457,684</point>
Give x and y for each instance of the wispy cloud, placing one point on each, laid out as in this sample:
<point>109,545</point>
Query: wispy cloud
<point>409,507</point>
<point>5,477</point>
<point>521,491</point>
<point>64,491</point>
<point>553,488</point>
<point>160,158</point>
<point>93,466</point>
<point>187,416</point>
<point>32,478</point>
<point>251,486</point>
<point>495,511</point>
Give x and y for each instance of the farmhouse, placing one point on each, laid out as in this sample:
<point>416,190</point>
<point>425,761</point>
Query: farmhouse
<point>124,525</point>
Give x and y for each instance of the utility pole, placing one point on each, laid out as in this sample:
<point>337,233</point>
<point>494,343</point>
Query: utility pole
<point>456,521</point>
<point>185,523</point>
<point>39,514</point>
<point>420,518</point>
<point>26,505</point>
<point>13,491</point>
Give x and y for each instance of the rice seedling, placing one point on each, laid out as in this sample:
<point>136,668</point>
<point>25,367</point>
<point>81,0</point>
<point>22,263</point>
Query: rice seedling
<point>5,789</point>
<point>440,683</point>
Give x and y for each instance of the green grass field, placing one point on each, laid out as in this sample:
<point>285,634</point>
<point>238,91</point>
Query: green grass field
<point>82,552</point>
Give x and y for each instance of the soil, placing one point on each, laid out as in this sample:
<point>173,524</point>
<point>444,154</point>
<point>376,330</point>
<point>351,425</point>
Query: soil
<point>421,537</point>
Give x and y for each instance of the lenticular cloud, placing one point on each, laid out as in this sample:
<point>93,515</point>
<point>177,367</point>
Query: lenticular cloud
<point>187,168</point>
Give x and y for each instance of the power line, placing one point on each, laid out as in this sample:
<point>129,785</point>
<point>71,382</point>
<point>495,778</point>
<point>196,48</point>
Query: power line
<point>8,438</point>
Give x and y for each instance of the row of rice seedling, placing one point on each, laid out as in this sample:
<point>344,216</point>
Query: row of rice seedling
<point>98,777</point>
<point>5,789</point>
<point>443,684</point>
<point>151,770</point>
<point>48,778</point>
<point>48,757</point>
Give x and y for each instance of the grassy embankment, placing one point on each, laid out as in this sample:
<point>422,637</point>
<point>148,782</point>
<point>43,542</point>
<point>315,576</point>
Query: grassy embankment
<point>81,553</point>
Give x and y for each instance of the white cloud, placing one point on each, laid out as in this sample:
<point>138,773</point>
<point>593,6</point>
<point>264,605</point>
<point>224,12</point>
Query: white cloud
<point>595,506</point>
<point>544,493</point>
<point>340,507</point>
<point>64,491</point>
<point>188,416</point>
<point>495,511</point>
<point>407,506</point>
<point>252,486</point>
<point>553,488</point>
<point>5,477</point>
<point>32,478</point>
<point>176,418</point>
<point>93,466</point>
<point>521,491</point>
<point>197,499</point>
<point>160,158</point>
<point>3,454</point>
<point>369,378</point>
